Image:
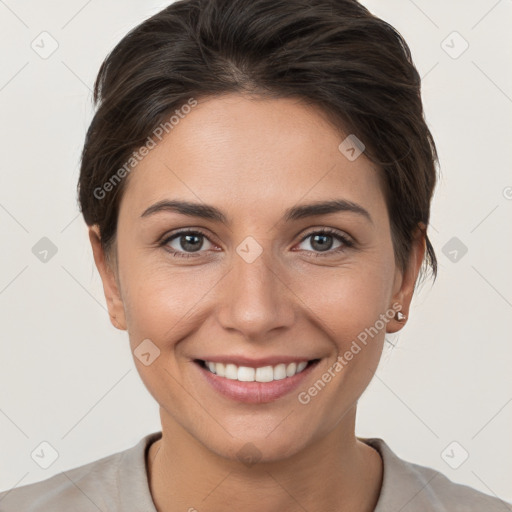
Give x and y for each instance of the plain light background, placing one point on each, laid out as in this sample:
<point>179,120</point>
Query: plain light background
<point>67,376</point>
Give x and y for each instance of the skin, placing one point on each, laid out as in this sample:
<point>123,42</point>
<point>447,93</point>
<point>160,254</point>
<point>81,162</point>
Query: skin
<point>253,159</point>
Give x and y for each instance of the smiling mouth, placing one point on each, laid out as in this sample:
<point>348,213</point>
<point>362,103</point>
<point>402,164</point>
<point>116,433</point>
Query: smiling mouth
<point>260,374</point>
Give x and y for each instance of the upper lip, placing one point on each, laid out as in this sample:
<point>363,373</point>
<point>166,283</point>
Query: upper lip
<point>255,363</point>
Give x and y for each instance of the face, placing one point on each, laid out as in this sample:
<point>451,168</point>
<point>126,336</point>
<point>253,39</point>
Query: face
<point>225,255</point>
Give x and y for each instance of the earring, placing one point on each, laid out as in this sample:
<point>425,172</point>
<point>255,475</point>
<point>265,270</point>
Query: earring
<point>400,317</point>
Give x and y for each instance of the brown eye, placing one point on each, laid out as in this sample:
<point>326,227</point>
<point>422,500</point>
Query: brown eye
<point>185,243</point>
<point>323,241</point>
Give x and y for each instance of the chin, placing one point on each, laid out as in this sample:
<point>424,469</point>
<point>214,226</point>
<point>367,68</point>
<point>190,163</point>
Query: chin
<point>251,450</point>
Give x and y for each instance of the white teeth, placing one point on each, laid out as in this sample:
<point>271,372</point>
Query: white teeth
<point>262,374</point>
<point>231,372</point>
<point>220,369</point>
<point>301,366</point>
<point>291,369</point>
<point>246,374</point>
<point>280,372</point>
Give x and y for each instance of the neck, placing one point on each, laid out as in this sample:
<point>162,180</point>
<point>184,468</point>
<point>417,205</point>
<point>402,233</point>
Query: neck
<point>337,472</point>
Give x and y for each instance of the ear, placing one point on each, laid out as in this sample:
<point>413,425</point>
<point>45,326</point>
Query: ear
<point>405,281</point>
<point>110,283</point>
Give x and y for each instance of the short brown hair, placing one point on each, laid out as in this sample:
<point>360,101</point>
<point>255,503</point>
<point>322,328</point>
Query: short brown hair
<point>332,53</point>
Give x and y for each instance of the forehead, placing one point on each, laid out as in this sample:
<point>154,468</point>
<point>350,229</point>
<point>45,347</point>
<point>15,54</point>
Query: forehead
<point>237,151</point>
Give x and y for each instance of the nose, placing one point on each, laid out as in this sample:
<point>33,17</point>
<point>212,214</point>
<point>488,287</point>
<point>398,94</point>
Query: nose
<point>256,300</point>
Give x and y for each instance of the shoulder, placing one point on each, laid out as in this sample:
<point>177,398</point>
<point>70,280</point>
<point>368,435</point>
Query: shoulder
<point>98,485</point>
<point>410,487</point>
<point>82,488</point>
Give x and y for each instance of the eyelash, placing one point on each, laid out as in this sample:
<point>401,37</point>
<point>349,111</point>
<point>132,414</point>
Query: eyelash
<point>347,243</point>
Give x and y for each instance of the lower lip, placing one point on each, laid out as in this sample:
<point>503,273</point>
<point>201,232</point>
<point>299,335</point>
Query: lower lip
<point>255,392</point>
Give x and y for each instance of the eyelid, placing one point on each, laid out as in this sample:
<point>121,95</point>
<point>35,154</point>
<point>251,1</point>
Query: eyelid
<point>346,242</point>
<point>172,235</point>
<point>328,231</point>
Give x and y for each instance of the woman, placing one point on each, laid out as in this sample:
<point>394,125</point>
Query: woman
<point>257,183</point>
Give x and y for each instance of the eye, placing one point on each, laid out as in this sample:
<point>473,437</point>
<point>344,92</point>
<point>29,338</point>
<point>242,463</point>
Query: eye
<point>323,241</point>
<point>185,243</point>
<point>190,243</point>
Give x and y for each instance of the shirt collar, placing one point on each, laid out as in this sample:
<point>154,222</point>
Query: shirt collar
<point>403,487</point>
<point>134,493</point>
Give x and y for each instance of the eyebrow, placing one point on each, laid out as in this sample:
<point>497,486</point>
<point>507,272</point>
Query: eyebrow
<point>291,214</point>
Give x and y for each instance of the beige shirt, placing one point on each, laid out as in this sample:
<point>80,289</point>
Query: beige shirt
<point>119,483</point>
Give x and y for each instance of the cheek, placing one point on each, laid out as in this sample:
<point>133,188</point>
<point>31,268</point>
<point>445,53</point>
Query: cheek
<point>162,302</point>
<point>162,305</point>
<point>349,299</point>
<point>351,305</point>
